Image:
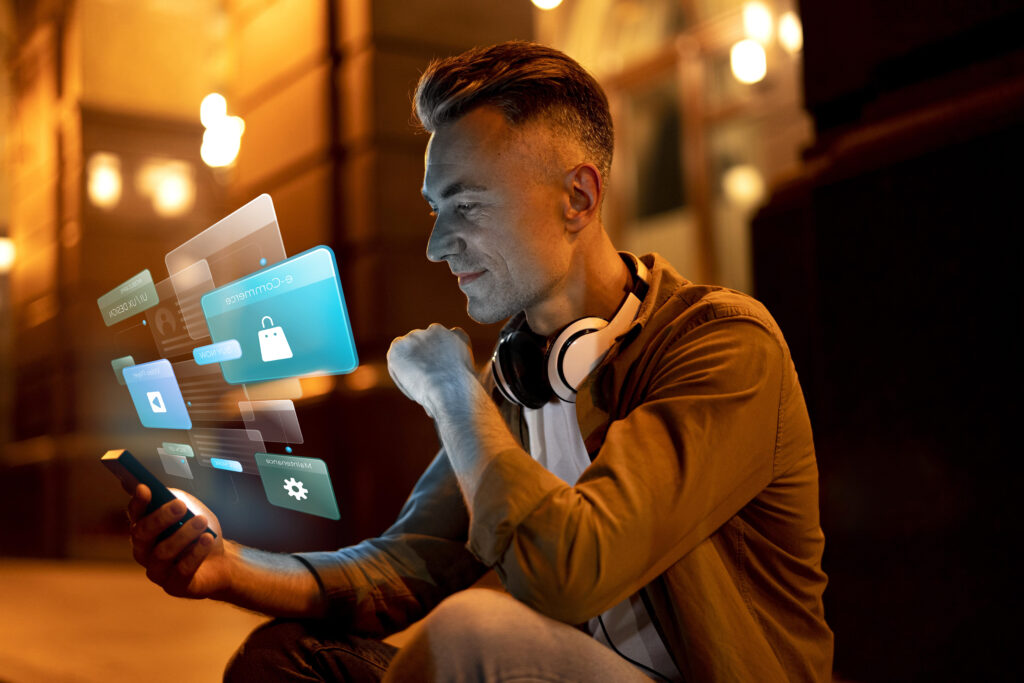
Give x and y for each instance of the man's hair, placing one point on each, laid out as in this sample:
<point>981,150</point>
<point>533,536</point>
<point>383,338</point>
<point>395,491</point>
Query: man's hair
<point>527,82</point>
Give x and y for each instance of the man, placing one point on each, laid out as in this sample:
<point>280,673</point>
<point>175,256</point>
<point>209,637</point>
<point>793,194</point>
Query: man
<point>656,516</point>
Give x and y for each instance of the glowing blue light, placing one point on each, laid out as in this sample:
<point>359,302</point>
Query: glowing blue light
<point>228,349</point>
<point>224,464</point>
<point>155,393</point>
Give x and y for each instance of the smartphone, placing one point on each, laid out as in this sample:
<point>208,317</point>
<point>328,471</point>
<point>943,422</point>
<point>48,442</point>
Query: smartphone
<point>131,472</point>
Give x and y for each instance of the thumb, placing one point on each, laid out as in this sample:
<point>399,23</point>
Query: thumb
<point>461,334</point>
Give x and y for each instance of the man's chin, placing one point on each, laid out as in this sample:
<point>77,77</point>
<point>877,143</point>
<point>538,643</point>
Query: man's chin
<point>486,315</point>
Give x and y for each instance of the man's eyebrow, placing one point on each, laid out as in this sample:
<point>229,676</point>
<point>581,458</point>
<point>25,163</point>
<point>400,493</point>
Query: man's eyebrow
<point>454,189</point>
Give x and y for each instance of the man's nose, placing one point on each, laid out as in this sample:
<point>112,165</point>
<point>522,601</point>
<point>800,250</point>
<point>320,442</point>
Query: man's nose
<point>444,241</point>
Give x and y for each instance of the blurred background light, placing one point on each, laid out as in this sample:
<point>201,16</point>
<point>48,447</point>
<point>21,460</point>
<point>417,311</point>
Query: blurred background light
<point>757,21</point>
<point>366,376</point>
<point>748,60</point>
<point>743,185</point>
<point>223,136</point>
<point>317,386</point>
<point>169,184</point>
<point>546,4</point>
<point>7,254</point>
<point>222,141</point>
<point>212,109</point>
<point>104,179</point>
<point>791,33</point>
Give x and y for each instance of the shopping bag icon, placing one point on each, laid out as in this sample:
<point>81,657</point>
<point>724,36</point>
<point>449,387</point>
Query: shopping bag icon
<point>273,343</point>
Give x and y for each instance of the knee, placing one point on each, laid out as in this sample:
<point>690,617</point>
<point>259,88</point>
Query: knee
<point>473,616</point>
<point>457,639</point>
<point>267,649</point>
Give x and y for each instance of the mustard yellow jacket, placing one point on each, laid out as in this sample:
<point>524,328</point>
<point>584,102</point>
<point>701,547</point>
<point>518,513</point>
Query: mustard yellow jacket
<point>702,495</point>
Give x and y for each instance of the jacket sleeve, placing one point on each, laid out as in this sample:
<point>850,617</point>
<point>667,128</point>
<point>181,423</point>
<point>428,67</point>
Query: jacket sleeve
<point>698,446</point>
<point>383,584</point>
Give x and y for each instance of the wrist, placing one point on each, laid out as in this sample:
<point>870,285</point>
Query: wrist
<point>452,394</point>
<point>230,559</point>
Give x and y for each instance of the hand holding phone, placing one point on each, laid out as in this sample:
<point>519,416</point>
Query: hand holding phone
<point>131,472</point>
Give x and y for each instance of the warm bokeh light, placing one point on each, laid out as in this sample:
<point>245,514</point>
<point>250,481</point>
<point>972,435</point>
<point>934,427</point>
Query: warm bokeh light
<point>743,185</point>
<point>364,377</point>
<point>221,141</point>
<point>223,136</point>
<point>169,185</point>
<point>212,109</point>
<point>546,4</point>
<point>757,21</point>
<point>7,254</point>
<point>748,60</point>
<point>103,182</point>
<point>791,33</point>
<point>318,385</point>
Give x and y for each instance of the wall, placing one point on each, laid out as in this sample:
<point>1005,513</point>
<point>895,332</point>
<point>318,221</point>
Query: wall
<point>886,263</point>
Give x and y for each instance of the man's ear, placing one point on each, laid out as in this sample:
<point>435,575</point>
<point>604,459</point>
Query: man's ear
<point>584,187</point>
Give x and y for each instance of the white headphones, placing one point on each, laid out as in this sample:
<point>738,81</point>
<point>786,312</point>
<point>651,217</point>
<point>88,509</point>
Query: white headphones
<point>528,368</point>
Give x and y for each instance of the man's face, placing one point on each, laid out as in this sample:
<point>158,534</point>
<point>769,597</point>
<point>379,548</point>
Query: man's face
<point>497,196</point>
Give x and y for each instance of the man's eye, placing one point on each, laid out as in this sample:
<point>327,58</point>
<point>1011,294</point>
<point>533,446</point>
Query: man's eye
<point>465,207</point>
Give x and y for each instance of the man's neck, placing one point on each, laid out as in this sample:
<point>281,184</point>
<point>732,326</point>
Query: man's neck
<point>595,284</point>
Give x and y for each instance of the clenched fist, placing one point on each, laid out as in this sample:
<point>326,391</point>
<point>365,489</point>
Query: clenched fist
<point>426,364</point>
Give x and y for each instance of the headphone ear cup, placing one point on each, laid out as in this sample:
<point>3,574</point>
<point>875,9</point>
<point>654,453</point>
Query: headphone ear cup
<point>518,369</point>
<point>573,354</point>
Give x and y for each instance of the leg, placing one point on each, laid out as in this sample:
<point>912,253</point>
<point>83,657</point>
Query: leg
<point>485,635</point>
<point>294,650</point>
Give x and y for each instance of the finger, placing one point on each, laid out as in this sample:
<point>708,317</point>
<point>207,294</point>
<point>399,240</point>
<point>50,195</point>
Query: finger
<point>189,562</point>
<point>149,526</point>
<point>176,543</point>
<point>138,503</point>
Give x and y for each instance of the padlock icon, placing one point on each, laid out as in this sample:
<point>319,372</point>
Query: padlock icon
<point>273,343</point>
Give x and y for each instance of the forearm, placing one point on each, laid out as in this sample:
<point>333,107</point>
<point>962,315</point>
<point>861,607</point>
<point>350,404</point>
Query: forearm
<point>271,583</point>
<point>472,432</point>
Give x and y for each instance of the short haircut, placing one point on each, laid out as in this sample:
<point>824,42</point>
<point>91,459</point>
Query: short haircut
<point>527,82</point>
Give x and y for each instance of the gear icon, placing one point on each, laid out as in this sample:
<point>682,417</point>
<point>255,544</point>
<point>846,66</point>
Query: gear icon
<point>295,489</point>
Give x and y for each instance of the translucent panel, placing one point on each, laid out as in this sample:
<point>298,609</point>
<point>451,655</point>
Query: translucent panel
<point>119,364</point>
<point>300,484</point>
<point>157,398</point>
<point>129,298</point>
<point>167,325</point>
<point>208,397</point>
<point>290,320</point>
<point>174,465</point>
<point>234,246</point>
<point>189,285</point>
<point>228,446</point>
<point>275,420</point>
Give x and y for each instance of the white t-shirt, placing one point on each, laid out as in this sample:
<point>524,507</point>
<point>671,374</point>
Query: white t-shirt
<point>556,443</point>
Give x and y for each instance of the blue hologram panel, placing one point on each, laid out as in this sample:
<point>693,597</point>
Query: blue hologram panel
<point>289,318</point>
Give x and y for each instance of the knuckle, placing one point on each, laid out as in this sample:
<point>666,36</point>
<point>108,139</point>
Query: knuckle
<point>168,513</point>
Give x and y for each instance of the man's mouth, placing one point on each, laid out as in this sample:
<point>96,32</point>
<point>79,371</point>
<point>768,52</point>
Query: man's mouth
<point>466,278</point>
